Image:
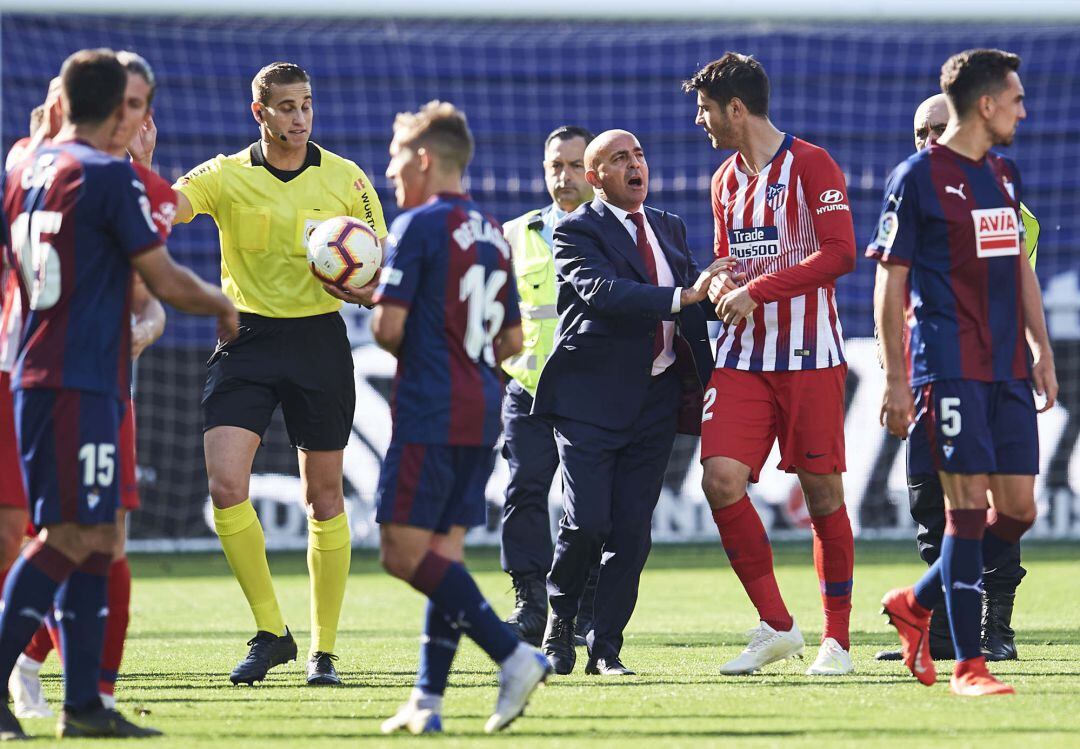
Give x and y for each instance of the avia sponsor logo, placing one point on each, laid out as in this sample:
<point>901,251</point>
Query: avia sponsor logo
<point>755,242</point>
<point>831,200</point>
<point>997,232</point>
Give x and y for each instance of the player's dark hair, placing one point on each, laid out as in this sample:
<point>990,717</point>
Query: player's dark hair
<point>136,63</point>
<point>93,82</point>
<point>569,132</point>
<point>440,127</point>
<point>37,118</point>
<point>276,73</point>
<point>973,73</point>
<point>733,76</point>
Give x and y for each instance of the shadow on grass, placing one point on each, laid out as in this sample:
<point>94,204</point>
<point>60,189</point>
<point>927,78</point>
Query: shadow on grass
<point>486,559</point>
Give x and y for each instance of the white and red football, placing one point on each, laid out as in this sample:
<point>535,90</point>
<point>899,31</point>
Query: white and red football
<point>344,251</point>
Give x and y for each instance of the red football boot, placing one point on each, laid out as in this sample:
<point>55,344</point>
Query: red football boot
<point>912,623</point>
<point>971,679</point>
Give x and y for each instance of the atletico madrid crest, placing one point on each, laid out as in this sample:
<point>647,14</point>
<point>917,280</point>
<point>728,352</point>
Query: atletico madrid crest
<point>775,195</point>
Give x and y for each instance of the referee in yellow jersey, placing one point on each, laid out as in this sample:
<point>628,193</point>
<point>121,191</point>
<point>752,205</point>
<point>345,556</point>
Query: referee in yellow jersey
<point>292,351</point>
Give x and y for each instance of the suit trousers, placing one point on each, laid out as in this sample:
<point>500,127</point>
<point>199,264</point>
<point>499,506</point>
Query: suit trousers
<point>1002,575</point>
<point>611,483</point>
<point>532,456</point>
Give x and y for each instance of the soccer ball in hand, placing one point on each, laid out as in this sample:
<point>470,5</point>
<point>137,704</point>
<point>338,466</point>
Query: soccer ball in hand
<point>344,251</point>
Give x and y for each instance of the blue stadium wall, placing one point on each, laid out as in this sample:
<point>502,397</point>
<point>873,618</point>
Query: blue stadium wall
<point>850,88</point>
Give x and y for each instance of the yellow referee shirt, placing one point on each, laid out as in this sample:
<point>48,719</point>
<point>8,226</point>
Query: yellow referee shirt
<point>264,218</point>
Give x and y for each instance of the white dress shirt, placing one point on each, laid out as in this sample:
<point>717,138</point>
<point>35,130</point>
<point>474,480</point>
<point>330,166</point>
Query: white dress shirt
<point>664,278</point>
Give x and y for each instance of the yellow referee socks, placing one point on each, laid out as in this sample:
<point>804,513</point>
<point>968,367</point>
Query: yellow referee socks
<point>329,556</point>
<point>244,545</point>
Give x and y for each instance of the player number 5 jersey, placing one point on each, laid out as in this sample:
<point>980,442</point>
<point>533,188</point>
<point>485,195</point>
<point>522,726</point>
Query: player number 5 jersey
<point>956,224</point>
<point>790,228</point>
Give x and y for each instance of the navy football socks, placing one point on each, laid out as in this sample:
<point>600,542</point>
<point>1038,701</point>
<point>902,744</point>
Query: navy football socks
<point>1002,533</point>
<point>81,607</point>
<point>961,577</point>
<point>438,645</point>
<point>28,595</point>
<point>450,587</point>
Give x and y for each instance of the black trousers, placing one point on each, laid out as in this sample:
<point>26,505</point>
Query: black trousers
<point>532,456</point>
<point>928,510</point>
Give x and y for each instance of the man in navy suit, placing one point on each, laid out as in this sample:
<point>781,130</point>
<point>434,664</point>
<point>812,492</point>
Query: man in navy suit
<point>630,359</point>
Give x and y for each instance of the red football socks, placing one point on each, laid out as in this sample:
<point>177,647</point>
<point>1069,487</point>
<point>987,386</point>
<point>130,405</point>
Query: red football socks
<point>834,560</point>
<point>116,624</point>
<point>748,549</point>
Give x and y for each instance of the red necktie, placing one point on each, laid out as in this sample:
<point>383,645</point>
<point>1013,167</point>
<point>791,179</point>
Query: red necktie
<point>645,249</point>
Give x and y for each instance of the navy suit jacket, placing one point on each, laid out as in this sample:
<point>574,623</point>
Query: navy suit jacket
<point>601,365</point>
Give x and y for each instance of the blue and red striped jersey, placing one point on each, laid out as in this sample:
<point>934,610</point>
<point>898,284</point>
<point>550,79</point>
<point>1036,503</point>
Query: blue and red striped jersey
<point>956,223</point>
<point>77,216</point>
<point>449,265</point>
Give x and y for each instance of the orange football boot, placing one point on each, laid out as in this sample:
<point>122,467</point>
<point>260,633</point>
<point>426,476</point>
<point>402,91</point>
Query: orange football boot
<point>913,626</point>
<point>971,679</point>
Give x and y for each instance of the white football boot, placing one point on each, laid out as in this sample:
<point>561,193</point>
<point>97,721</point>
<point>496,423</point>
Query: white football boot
<point>519,676</point>
<point>24,684</point>
<point>421,714</point>
<point>832,660</point>
<point>766,646</point>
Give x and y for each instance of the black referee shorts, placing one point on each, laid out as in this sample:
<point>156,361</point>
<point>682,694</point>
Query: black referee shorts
<point>303,363</point>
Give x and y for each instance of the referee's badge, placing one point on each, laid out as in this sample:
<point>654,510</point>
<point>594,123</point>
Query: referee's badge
<point>310,225</point>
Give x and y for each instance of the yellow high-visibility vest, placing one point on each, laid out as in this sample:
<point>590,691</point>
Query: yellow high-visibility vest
<point>534,267</point>
<point>1031,233</point>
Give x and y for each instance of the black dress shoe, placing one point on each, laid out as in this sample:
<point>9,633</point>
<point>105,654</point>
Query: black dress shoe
<point>559,644</point>
<point>530,607</point>
<point>998,637</point>
<point>607,666</point>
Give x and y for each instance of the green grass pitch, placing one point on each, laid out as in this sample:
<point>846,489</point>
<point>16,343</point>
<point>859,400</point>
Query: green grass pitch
<point>190,623</point>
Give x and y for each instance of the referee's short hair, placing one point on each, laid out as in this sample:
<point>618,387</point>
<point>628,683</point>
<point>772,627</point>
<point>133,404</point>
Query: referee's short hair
<point>93,82</point>
<point>973,73</point>
<point>440,127</point>
<point>569,132</point>
<point>276,73</point>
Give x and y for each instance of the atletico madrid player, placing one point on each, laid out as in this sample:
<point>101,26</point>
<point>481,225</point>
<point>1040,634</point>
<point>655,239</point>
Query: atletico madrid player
<point>780,207</point>
<point>951,232</point>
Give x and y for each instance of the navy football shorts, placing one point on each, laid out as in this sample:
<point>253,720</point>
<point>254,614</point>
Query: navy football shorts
<point>973,427</point>
<point>434,486</point>
<point>68,444</point>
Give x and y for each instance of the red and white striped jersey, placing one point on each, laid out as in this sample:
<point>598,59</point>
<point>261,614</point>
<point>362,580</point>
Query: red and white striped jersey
<point>790,227</point>
<point>11,313</point>
<point>10,317</point>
